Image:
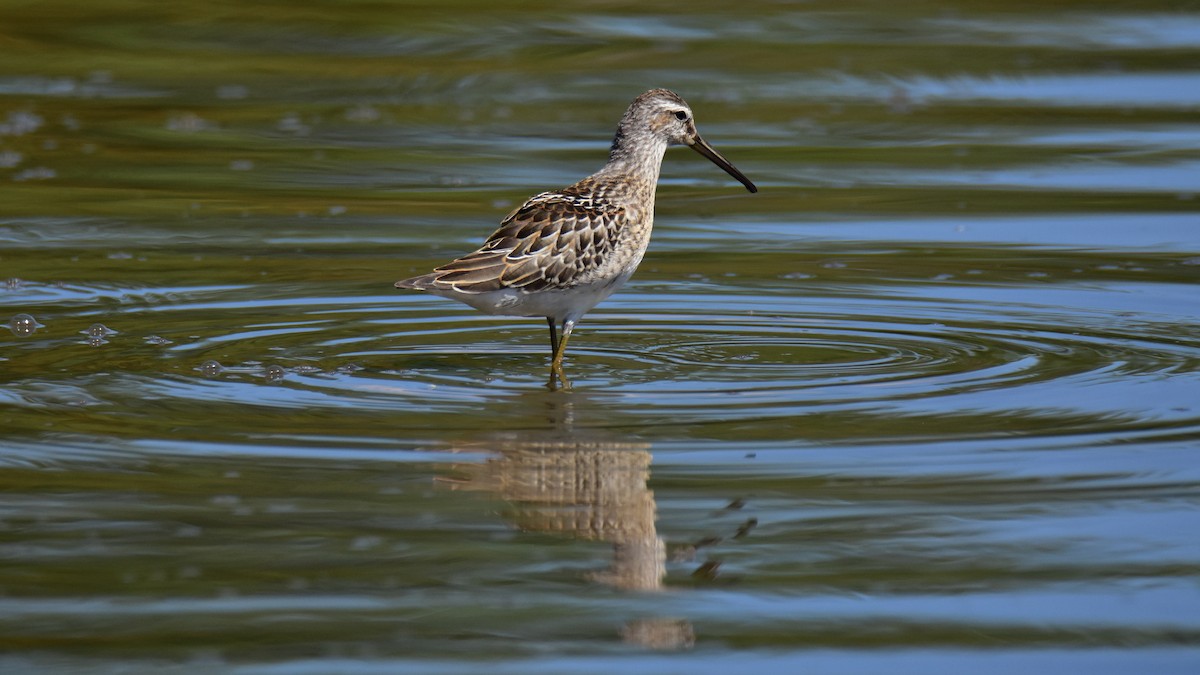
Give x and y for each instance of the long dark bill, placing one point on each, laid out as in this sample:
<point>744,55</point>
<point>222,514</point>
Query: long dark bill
<point>701,146</point>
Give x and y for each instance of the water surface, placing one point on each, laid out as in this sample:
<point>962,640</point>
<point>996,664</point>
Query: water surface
<point>926,403</point>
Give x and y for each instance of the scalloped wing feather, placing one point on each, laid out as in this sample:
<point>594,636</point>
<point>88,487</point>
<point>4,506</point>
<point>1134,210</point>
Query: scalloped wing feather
<point>544,244</point>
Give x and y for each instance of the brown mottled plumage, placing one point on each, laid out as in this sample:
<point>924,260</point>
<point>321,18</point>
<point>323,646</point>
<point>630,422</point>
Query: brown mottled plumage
<point>563,251</point>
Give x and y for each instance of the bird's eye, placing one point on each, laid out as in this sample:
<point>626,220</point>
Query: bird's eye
<point>680,115</point>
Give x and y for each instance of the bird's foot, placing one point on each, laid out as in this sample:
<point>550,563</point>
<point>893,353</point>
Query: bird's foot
<point>558,378</point>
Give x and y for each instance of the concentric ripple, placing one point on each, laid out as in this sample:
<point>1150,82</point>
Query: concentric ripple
<point>720,354</point>
<point>916,364</point>
<point>729,355</point>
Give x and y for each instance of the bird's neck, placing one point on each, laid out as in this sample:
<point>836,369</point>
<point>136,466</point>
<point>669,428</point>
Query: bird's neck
<point>636,156</point>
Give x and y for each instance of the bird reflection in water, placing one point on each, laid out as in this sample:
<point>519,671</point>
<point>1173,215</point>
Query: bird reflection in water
<point>577,485</point>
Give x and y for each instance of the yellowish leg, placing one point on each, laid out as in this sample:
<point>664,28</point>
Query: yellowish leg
<point>556,364</point>
<point>556,368</point>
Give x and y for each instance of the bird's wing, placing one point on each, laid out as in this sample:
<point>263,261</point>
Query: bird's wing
<point>546,243</point>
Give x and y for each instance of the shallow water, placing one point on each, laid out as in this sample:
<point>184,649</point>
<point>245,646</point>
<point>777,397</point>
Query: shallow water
<point>926,403</point>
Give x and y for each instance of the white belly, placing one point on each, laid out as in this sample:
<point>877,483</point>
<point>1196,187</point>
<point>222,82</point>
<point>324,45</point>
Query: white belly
<point>570,303</point>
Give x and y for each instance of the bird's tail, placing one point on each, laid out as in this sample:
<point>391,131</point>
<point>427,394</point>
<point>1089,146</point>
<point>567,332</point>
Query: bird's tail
<point>421,283</point>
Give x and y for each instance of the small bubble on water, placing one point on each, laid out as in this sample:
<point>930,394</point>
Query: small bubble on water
<point>157,340</point>
<point>211,368</point>
<point>337,210</point>
<point>98,330</point>
<point>797,276</point>
<point>24,324</point>
<point>120,255</point>
<point>275,373</point>
<point>14,283</point>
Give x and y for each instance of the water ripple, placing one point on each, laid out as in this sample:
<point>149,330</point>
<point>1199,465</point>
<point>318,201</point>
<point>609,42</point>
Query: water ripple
<point>1015,367</point>
<point>710,353</point>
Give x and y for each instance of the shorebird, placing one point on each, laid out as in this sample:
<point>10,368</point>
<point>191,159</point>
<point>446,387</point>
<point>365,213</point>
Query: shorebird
<point>563,251</point>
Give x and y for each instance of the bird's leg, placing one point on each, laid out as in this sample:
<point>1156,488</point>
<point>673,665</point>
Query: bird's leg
<point>561,348</point>
<point>556,369</point>
<point>553,335</point>
<point>556,373</point>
